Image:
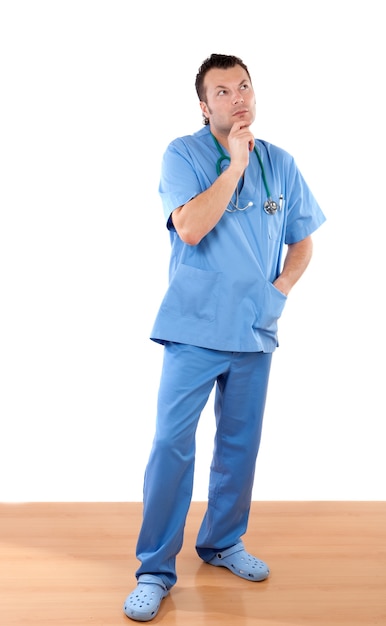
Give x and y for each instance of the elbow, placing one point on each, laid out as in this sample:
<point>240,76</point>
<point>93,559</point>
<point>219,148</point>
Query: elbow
<point>190,238</point>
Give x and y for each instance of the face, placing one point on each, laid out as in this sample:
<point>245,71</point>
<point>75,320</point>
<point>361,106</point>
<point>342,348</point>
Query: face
<point>229,98</point>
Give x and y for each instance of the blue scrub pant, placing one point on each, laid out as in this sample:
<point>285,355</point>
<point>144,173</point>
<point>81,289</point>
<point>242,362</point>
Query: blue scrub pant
<point>188,376</point>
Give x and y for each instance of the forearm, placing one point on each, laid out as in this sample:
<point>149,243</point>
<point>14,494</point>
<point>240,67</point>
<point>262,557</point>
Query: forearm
<point>295,263</point>
<point>200,215</point>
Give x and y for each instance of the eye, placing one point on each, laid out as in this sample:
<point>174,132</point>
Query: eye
<point>222,92</point>
<point>244,87</point>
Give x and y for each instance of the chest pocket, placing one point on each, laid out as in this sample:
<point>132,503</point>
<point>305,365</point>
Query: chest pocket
<point>275,222</point>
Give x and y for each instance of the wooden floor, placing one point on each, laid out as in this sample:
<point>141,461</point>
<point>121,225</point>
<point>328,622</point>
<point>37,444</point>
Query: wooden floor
<point>73,564</point>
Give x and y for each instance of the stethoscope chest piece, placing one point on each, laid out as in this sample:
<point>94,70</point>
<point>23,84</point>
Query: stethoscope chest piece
<point>270,206</point>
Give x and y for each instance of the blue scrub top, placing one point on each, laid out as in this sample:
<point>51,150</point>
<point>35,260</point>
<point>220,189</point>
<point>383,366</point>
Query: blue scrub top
<point>220,292</point>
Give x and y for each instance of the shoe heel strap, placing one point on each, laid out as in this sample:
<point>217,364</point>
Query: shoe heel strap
<point>238,547</point>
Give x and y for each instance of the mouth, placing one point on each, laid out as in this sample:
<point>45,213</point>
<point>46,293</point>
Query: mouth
<point>240,112</point>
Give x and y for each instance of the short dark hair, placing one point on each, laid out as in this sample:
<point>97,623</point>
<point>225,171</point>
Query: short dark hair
<point>220,61</point>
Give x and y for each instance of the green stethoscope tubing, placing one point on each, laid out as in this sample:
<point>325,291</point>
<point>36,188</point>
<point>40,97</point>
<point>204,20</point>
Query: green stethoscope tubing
<point>224,157</point>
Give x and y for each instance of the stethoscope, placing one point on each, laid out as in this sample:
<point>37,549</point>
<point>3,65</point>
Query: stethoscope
<point>270,206</point>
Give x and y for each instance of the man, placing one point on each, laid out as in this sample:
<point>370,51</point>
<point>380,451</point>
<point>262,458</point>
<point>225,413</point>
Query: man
<point>231,204</point>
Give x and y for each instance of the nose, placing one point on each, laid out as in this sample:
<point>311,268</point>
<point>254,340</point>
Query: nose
<point>238,98</point>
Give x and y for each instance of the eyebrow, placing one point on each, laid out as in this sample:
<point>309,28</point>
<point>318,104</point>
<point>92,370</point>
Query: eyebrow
<point>245,80</point>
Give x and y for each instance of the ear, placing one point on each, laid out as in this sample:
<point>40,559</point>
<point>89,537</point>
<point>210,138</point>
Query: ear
<point>204,109</point>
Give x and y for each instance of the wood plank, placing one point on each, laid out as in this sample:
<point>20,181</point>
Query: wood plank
<point>74,563</point>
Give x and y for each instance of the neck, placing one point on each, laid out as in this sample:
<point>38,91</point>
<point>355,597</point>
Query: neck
<point>222,138</point>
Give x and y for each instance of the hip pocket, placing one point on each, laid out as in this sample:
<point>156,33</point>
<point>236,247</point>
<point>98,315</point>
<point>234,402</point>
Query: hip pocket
<point>193,293</point>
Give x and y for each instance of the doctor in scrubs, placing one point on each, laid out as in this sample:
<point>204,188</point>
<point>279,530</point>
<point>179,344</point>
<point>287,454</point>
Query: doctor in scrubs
<point>240,218</point>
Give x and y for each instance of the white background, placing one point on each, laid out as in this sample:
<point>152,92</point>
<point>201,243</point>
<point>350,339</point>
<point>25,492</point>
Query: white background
<point>91,93</point>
